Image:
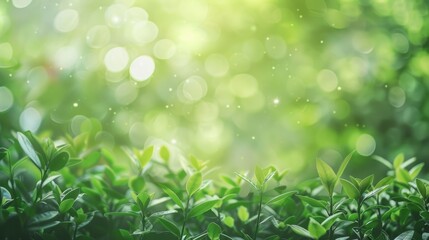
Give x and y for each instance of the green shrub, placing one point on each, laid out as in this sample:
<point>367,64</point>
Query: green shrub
<point>46,193</point>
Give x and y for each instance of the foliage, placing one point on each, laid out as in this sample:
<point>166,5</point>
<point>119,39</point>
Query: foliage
<point>46,193</point>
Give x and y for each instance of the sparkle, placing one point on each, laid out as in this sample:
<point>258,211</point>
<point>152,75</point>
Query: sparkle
<point>75,105</point>
<point>276,101</point>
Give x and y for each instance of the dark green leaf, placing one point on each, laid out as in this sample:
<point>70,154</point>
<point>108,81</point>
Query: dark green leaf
<point>59,161</point>
<point>281,197</point>
<point>408,235</point>
<point>28,149</point>
<point>350,189</point>
<point>203,207</point>
<point>300,231</point>
<point>170,226</point>
<point>66,205</point>
<point>173,197</point>
<point>421,186</point>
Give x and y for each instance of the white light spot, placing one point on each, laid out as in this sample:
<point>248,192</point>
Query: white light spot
<point>116,59</point>
<point>75,104</point>
<point>216,65</point>
<point>6,99</point>
<point>276,101</point>
<point>30,119</point>
<point>21,3</point>
<point>192,89</point>
<point>327,80</point>
<point>243,85</point>
<point>142,68</point>
<point>98,36</point>
<point>164,49</point>
<point>144,32</point>
<point>126,93</point>
<point>66,20</point>
<point>397,97</point>
<point>365,145</point>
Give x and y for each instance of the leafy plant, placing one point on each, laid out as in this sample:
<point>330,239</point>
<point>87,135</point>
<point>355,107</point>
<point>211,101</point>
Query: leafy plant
<point>46,194</point>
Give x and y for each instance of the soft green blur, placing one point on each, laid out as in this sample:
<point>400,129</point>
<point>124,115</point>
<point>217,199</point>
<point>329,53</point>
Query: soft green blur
<point>235,82</point>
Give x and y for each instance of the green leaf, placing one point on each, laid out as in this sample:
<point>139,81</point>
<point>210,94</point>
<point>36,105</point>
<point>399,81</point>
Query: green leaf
<point>260,176</point>
<point>59,161</point>
<point>145,157</point>
<point>408,235</point>
<point>202,207</point>
<point>247,180</point>
<point>3,153</point>
<point>312,202</point>
<point>91,159</point>
<point>402,175</point>
<point>73,161</point>
<point>170,226</point>
<point>375,191</point>
<point>66,205</point>
<point>365,183</point>
<point>42,217</point>
<point>383,161</point>
<point>281,197</point>
<point>42,226</point>
<point>26,146</point>
<point>327,176</point>
<point>229,221</point>
<point>414,172</point>
<point>243,213</point>
<point>164,153</point>
<point>173,197</point>
<point>328,222</point>
<point>385,181</point>
<point>344,165</point>
<point>214,231</point>
<point>350,189</point>
<point>421,186</point>
<point>316,229</point>
<point>194,183</point>
<point>143,200</point>
<point>300,231</point>
<point>399,159</point>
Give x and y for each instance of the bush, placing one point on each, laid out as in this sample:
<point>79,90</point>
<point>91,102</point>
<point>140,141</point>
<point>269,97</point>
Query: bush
<point>46,193</point>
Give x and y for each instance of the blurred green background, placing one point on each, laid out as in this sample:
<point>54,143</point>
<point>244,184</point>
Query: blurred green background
<point>235,82</point>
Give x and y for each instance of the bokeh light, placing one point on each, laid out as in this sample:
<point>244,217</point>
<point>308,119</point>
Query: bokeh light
<point>238,83</point>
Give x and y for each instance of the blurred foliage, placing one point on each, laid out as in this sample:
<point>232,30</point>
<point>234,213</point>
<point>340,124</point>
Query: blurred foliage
<point>232,81</point>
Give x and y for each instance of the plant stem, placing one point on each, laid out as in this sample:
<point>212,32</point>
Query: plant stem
<point>185,216</point>
<point>75,231</point>
<point>258,219</point>
<point>331,210</point>
<point>143,224</point>
<point>360,237</point>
